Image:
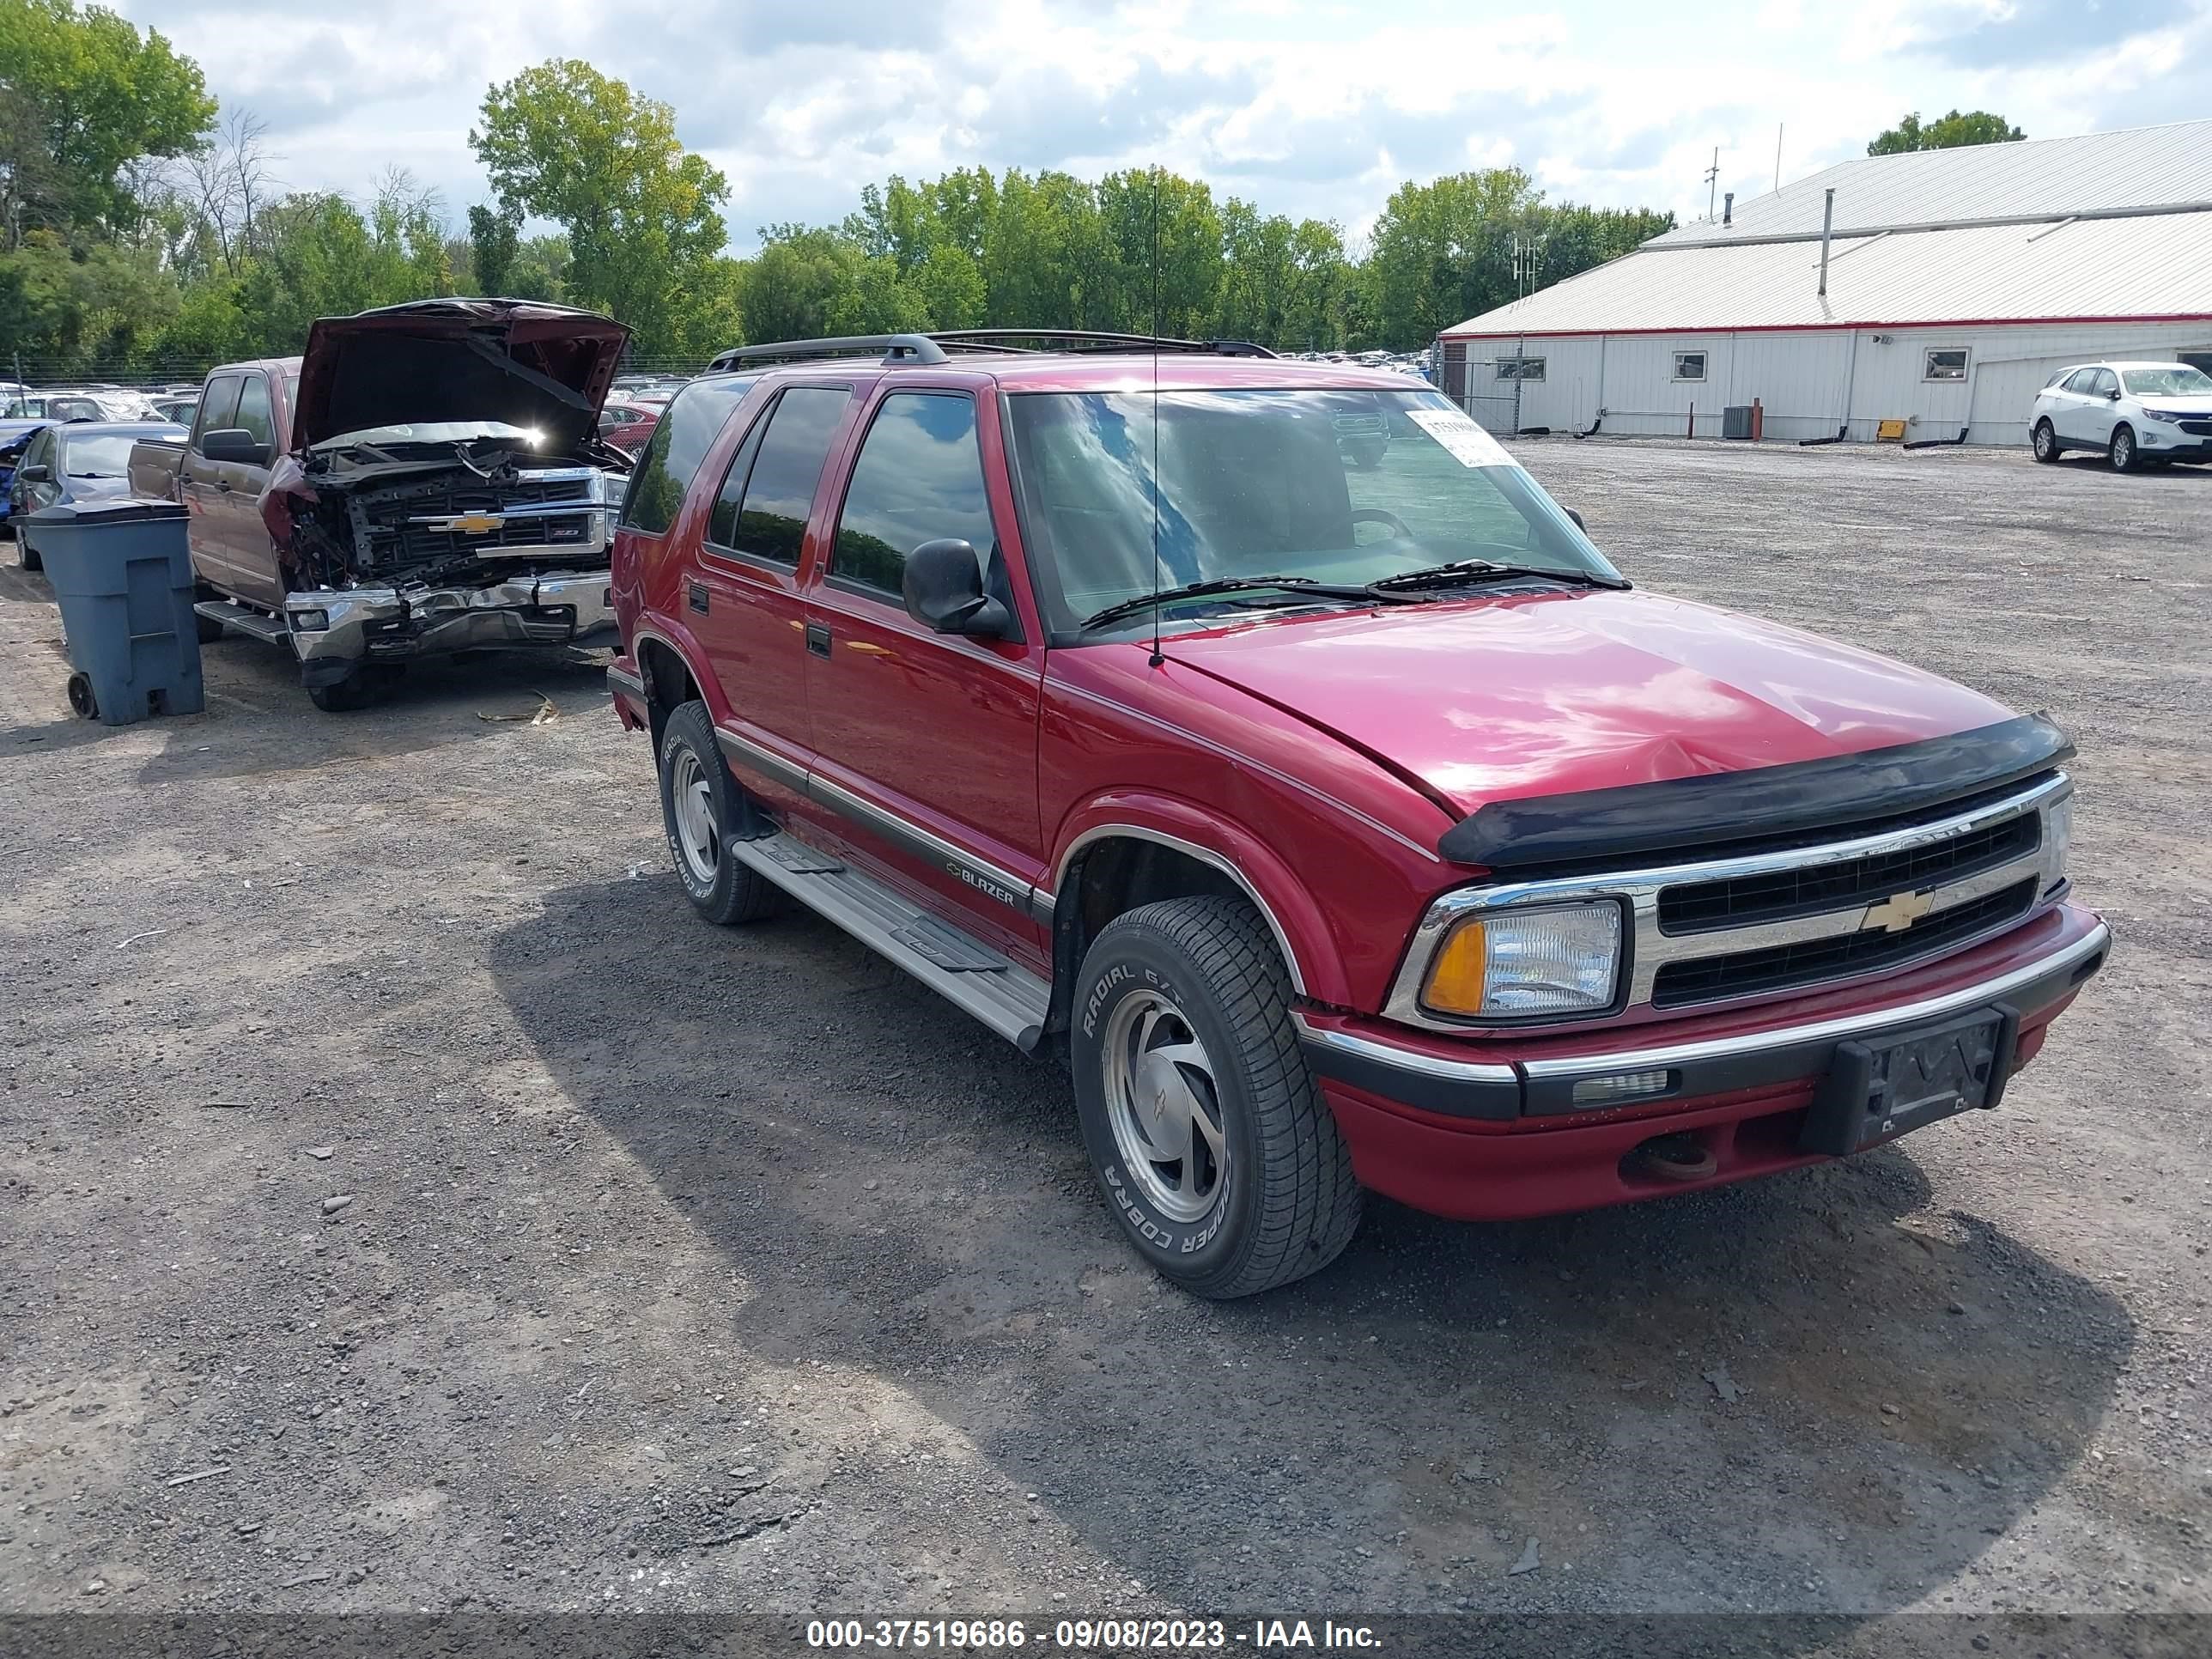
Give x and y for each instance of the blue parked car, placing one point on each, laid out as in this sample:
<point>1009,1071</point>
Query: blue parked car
<point>15,437</point>
<point>75,461</point>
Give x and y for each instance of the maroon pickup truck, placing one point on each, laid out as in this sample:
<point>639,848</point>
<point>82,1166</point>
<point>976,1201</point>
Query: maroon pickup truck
<point>426,478</point>
<point>1263,738</point>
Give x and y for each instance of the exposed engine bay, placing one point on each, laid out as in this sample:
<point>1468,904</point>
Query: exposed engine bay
<point>398,507</point>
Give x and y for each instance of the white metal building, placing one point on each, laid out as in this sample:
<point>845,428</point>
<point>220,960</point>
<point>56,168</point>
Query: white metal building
<point>1956,280</point>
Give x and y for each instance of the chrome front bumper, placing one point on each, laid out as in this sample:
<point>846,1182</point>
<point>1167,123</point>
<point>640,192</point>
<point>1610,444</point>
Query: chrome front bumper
<point>334,630</point>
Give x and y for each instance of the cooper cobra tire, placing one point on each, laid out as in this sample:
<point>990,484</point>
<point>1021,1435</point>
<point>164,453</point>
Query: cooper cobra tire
<point>699,802</point>
<point>1216,1152</point>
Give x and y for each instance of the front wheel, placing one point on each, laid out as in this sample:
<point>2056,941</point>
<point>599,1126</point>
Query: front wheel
<point>2123,455</point>
<point>2045,441</point>
<point>26,556</point>
<point>699,805</point>
<point>1217,1153</point>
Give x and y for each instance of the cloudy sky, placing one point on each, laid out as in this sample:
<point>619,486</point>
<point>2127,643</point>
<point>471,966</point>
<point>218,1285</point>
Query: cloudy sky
<point>1304,106</point>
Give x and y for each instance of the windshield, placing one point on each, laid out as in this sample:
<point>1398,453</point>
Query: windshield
<point>105,457</point>
<point>1331,485</point>
<point>2176,381</point>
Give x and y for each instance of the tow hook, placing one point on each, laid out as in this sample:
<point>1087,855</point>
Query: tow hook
<point>1677,1158</point>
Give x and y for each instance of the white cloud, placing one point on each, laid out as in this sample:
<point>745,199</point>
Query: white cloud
<point>1307,108</point>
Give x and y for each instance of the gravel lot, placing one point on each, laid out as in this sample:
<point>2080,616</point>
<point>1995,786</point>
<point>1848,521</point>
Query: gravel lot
<point>693,1269</point>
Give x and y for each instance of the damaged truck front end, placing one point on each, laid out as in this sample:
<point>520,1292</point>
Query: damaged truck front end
<point>445,490</point>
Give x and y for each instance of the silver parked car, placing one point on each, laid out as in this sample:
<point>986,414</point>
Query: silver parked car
<point>2133,412</point>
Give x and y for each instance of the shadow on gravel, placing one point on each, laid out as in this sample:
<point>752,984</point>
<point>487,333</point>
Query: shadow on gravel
<point>1820,1391</point>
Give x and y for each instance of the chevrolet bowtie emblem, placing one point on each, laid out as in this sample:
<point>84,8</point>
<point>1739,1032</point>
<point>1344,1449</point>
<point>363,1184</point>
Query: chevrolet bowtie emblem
<point>472,524</point>
<point>1897,912</point>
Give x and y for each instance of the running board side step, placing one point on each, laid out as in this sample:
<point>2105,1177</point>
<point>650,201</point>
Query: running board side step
<point>1005,996</point>
<point>264,626</point>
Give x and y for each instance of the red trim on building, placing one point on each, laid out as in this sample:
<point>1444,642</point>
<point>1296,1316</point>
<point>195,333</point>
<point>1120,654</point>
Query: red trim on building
<point>1827,328</point>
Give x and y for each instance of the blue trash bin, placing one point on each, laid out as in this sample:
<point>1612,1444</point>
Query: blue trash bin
<point>123,572</point>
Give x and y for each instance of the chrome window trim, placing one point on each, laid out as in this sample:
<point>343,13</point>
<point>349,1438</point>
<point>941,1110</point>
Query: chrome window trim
<point>1649,948</point>
<point>1205,855</point>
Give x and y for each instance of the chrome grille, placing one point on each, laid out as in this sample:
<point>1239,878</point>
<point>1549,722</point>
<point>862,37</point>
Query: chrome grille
<point>1782,920</point>
<point>1834,955</point>
<point>1811,890</point>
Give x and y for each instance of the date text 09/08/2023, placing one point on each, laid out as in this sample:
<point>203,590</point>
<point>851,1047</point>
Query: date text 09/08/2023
<point>1080,1635</point>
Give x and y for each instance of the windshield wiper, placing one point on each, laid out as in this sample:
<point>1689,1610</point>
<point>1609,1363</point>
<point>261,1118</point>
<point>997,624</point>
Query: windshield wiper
<point>1360,592</point>
<point>1479,570</point>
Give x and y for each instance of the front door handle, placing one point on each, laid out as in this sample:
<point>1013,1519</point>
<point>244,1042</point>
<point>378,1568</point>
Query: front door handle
<point>817,638</point>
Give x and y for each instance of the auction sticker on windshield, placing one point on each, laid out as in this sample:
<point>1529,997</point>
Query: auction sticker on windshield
<point>1470,446</point>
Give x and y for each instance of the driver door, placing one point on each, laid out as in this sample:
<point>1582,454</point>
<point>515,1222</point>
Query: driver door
<point>927,741</point>
<point>2099,407</point>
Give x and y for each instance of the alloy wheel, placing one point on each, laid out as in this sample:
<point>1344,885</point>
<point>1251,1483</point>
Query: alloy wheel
<point>1163,1107</point>
<point>696,835</point>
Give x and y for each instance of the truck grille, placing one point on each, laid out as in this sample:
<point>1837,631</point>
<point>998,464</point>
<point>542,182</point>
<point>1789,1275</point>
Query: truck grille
<point>1837,956</point>
<point>1809,891</point>
<point>397,538</point>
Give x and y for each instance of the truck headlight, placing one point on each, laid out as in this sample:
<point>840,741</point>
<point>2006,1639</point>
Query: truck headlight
<point>2058,835</point>
<point>1542,959</point>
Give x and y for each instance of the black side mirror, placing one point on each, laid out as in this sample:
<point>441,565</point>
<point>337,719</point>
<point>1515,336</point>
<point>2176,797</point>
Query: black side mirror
<point>943,588</point>
<point>1577,517</point>
<point>2114,394</point>
<point>35,474</point>
<point>235,444</point>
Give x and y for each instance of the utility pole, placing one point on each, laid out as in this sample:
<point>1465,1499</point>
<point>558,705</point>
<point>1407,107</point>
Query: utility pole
<point>1777,155</point>
<point>1712,180</point>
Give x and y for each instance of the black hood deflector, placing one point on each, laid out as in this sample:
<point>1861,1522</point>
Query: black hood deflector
<point>1706,814</point>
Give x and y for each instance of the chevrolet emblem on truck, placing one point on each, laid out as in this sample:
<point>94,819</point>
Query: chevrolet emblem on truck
<point>471,524</point>
<point>1897,912</point>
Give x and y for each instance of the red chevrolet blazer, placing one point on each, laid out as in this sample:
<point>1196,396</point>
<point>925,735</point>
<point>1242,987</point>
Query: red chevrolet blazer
<point>1260,737</point>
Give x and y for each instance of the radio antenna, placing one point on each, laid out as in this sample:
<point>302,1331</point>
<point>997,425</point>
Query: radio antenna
<point>1156,658</point>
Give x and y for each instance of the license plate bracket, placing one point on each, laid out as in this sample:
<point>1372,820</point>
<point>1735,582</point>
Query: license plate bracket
<point>1879,1088</point>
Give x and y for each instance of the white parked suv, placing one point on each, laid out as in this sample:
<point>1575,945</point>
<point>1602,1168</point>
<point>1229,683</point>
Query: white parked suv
<point>2133,412</point>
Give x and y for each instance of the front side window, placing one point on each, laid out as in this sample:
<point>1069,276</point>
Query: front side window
<point>779,491</point>
<point>1689,365</point>
<point>2104,383</point>
<point>1945,364</point>
<point>253,409</point>
<point>1338,486</point>
<point>679,449</point>
<point>2168,381</point>
<point>218,404</point>
<point>1520,368</point>
<point>919,478</point>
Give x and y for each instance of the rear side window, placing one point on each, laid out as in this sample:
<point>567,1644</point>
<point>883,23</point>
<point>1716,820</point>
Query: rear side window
<point>722,522</point>
<point>253,409</point>
<point>919,478</point>
<point>779,491</point>
<point>687,431</point>
<point>218,405</point>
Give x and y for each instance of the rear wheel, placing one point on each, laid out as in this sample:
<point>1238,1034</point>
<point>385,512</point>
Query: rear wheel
<point>358,689</point>
<point>24,556</point>
<point>2123,455</point>
<point>211,629</point>
<point>1217,1155</point>
<point>2046,441</point>
<point>700,803</point>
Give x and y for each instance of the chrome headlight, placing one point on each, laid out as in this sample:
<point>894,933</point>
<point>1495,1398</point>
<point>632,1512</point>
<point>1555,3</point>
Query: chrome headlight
<point>1531,961</point>
<point>2057,835</point>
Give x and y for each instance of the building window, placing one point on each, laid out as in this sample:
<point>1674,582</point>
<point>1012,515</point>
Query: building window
<point>1520,368</point>
<point>1946,365</point>
<point>1689,365</point>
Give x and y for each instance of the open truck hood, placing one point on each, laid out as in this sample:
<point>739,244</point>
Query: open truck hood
<point>1514,697</point>
<point>543,366</point>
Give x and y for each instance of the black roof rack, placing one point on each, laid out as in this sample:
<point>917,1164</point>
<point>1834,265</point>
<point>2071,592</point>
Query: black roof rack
<point>902,348</point>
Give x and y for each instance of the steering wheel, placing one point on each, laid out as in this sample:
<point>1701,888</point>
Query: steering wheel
<point>1378,515</point>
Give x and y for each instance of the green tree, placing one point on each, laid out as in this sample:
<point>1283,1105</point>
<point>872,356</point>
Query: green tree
<point>789,290</point>
<point>83,96</point>
<point>495,237</point>
<point>1954,131</point>
<point>1162,238</point>
<point>565,143</point>
<point>1441,251</point>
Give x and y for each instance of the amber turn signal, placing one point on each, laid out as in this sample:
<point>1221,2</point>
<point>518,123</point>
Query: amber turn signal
<point>1457,974</point>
